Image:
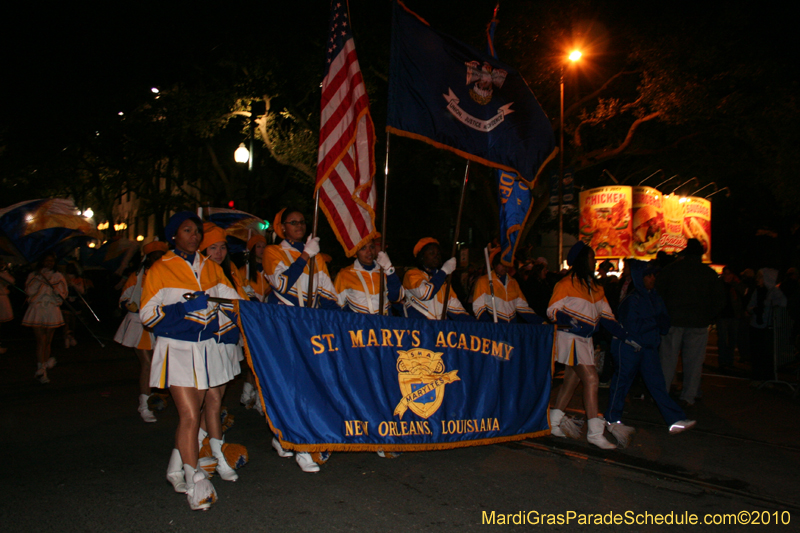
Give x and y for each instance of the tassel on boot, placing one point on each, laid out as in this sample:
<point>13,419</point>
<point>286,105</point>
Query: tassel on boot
<point>595,434</point>
<point>175,472</point>
<point>144,410</point>
<point>621,432</point>
<point>571,427</point>
<point>223,468</point>
<point>200,493</point>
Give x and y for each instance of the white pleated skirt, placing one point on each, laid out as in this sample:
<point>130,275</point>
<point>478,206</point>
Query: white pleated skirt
<point>43,316</point>
<point>201,365</point>
<point>129,333</point>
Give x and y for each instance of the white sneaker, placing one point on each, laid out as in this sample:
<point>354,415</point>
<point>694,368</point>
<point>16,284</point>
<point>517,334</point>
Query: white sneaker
<point>681,425</point>
<point>279,449</point>
<point>306,463</point>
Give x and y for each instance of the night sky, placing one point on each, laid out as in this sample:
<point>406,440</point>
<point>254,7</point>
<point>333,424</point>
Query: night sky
<point>68,67</point>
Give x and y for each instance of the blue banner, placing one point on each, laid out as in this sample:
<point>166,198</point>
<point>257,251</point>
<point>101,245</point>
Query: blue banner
<point>452,96</point>
<point>515,200</point>
<point>333,381</point>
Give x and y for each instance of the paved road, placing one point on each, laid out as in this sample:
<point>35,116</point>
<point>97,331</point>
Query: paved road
<point>81,459</point>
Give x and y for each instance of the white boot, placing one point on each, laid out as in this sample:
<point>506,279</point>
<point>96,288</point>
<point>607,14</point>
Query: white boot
<point>248,396</point>
<point>306,463</point>
<point>279,449</point>
<point>175,472</point>
<point>595,434</point>
<point>200,493</point>
<point>201,436</point>
<point>144,410</point>
<point>223,468</point>
<point>555,420</point>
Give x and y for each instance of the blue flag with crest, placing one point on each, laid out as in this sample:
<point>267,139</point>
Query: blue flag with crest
<point>454,97</point>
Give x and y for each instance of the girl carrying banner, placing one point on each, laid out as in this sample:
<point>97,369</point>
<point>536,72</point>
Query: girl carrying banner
<point>424,294</point>
<point>286,269</point>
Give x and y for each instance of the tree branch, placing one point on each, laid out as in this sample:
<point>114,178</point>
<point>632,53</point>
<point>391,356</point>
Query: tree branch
<point>261,122</point>
<point>571,109</point>
<point>603,153</point>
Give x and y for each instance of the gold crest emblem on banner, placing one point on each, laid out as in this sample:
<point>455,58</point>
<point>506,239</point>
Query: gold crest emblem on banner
<point>422,380</point>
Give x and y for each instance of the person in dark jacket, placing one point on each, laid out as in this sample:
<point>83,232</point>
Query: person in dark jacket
<point>644,315</point>
<point>694,296</point>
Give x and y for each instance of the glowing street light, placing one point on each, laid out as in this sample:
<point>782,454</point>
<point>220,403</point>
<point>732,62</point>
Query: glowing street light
<point>88,213</point>
<point>575,55</point>
<point>242,154</point>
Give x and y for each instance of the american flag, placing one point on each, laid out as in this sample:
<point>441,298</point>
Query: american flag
<point>346,161</point>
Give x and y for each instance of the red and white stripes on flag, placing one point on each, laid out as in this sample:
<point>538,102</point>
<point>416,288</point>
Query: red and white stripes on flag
<point>346,162</point>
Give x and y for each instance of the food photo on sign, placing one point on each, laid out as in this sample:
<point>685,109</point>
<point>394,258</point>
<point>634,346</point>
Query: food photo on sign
<point>605,221</point>
<point>697,223</point>
<point>648,222</point>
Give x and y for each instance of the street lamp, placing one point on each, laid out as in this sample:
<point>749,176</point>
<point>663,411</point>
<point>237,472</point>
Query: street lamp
<point>242,154</point>
<point>573,57</point>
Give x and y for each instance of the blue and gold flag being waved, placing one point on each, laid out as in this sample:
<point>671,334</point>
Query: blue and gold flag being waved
<point>350,382</point>
<point>447,94</point>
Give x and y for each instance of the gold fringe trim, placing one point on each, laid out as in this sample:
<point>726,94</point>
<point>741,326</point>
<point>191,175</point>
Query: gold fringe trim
<point>466,155</point>
<point>344,447</point>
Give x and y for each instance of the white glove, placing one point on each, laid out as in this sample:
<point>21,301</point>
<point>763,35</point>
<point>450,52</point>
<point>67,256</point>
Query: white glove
<point>449,266</point>
<point>635,345</point>
<point>383,261</point>
<point>312,246</point>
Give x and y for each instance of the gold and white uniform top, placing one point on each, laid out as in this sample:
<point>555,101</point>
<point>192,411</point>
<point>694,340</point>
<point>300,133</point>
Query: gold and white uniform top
<point>359,289</point>
<point>277,259</point>
<point>258,287</point>
<point>426,298</point>
<point>186,352</point>
<point>508,298</point>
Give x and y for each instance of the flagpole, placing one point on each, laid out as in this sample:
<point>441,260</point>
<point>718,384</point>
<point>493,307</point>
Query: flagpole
<point>455,239</point>
<point>247,256</point>
<point>491,282</point>
<point>311,261</point>
<point>383,224</point>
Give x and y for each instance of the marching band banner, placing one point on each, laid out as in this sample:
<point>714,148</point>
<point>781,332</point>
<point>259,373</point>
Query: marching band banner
<point>335,381</point>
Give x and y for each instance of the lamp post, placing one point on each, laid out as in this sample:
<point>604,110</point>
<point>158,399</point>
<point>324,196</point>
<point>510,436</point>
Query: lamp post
<point>574,56</point>
<point>242,154</point>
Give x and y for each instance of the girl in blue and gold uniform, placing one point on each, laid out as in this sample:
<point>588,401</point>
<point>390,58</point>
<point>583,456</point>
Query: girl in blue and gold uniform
<point>424,294</point>
<point>187,357</point>
<point>286,269</point>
